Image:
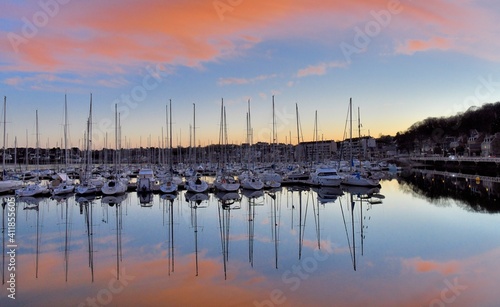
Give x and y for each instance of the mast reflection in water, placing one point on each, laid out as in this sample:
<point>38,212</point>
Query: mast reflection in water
<point>397,245</point>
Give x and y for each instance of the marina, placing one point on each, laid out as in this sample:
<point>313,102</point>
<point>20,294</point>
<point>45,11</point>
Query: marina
<point>250,153</point>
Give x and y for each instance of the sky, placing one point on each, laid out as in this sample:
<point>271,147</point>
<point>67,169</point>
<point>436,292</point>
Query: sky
<point>399,61</point>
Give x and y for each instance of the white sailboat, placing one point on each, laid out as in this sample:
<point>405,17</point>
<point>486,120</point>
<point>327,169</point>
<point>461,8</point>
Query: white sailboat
<point>323,176</point>
<point>88,186</point>
<point>7,185</point>
<point>224,181</point>
<point>195,184</point>
<point>270,178</point>
<point>358,178</point>
<point>297,173</point>
<point>65,184</point>
<point>34,188</point>
<point>170,183</point>
<point>248,179</point>
<point>115,185</point>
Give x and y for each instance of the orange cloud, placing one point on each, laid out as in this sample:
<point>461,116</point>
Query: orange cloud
<point>412,46</point>
<point>425,266</point>
<point>113,36</point>
<point>319,69</point>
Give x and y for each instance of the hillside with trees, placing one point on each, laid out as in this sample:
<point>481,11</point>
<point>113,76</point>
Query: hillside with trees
<point>434,130</point>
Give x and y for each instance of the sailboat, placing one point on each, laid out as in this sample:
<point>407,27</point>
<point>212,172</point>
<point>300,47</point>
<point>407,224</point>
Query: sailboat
<point>323,175</point>
<point>88,185</point>
<point>224,181</point>
<point>65,185</point>
<point>35,188</point>
<point>7,185</point>
<point>170,183</point>
<point>115,185</point>
<point>269,177</point>
<point>358,178</point>
<point>195,184</point>
<point>298,173</point>
<point>248,179</point>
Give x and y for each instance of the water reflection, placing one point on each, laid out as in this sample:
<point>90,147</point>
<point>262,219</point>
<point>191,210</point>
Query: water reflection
<point>357,196</point>
<point>227,202</point>
<point>116,202</point>
<point>86,205</point>
<point>236,248</point>
<point>196,201</point>
<point>145,199</point>
<point>168,207</point>
<point>478,193</point>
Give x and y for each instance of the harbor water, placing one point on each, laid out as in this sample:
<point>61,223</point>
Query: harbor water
<point>421,239</point>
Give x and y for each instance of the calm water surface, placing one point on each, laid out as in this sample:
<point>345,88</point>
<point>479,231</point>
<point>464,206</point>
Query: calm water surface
<point>412,243</point>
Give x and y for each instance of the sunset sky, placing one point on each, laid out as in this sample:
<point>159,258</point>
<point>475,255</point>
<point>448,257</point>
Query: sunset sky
<point>400,61</point>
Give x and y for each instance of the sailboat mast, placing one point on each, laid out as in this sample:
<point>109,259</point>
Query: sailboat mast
<point>225,134</point>
<point>65,133</point>
<point>316,135</point>
<point>359,125</point>
<point>170,137</point>
<point>4,133</point>
<point>89,136</point>
<point>119,141</point>
<point>221,129</point>
<point>250,132</point>
<point>249,135</point>
<point>116,138</point>
<point>350,132</point>
<point>194,132</point>
<point>37,151</point>
<point>15,152</point>
<point>274,124</point>
<point>26,151</point>
<point>166,127</point>
<point>298,124</point>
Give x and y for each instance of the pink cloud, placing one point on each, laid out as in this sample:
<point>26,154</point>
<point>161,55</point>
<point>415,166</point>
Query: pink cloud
<point>112,36</point>
<point>414,45</point>
<point>319,69</point>
<point>425,266</point>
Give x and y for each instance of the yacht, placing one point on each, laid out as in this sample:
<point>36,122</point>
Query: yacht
<point>325,177</point>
